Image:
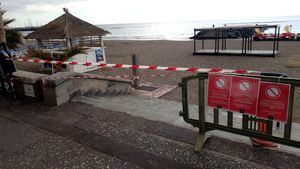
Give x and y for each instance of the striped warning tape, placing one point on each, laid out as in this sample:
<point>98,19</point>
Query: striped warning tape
<point>151,67</point>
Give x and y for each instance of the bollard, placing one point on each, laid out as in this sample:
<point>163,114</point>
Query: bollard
<point>136,81</point>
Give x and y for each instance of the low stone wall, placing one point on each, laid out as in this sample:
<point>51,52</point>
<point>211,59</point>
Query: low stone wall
<point>28,85</point>
<point>57,91</point>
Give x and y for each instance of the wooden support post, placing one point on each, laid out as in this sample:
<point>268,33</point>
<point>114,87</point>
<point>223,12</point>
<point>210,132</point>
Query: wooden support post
<point>101,41</point>
<point>136,81</point>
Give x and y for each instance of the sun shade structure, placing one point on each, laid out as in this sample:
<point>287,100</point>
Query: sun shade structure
<point>68,27</point>
<point>243,33</point>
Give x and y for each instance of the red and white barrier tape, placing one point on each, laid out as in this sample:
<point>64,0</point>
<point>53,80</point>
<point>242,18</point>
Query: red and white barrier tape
<point>152,67</point>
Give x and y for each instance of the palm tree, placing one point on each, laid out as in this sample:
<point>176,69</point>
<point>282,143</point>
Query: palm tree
<point>13,38</point>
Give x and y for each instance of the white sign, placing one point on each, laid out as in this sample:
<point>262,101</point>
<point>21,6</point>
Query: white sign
<point>28,90</point>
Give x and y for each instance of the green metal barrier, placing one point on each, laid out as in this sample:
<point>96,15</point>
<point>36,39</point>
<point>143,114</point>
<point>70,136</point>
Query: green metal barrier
<point>249,123</point>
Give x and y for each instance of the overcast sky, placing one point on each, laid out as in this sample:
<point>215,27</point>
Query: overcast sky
<point>134,11</point>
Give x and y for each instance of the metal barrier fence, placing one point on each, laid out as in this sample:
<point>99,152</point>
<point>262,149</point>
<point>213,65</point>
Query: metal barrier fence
<point>250,123</point>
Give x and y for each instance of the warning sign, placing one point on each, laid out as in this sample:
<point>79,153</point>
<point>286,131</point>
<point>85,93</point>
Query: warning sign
<point>218,90</point>
<point>273,101</point>
<point>244,92</point>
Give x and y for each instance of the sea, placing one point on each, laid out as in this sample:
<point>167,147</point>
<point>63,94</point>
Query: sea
<point>181,31</point>
<point>185,29</point>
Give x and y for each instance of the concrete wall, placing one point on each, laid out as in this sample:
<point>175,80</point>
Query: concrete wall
<point>57,90</point>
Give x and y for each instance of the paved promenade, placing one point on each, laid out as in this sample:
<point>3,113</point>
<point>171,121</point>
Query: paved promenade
<point>78,135</point>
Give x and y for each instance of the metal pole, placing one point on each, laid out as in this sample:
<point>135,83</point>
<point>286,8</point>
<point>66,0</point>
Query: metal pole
<point>216,41</point>
<point>278,38</point>
<point>274,41</point>
<point>222,40</point>
<point>202,40</point>
<point>245,35</point>
<point>248,35</point>
<point>251,41</point>
<point>194,40</point>
<point>288,125</point>
<point>242,41</point>
<point>226,33</point>
<point>136,82</point>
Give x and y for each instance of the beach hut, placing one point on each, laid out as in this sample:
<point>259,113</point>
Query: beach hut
<point>68,31</point>
<point>245,34</point>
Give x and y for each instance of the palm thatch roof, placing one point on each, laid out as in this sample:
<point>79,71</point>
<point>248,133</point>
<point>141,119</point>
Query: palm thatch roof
<point>66,26</point>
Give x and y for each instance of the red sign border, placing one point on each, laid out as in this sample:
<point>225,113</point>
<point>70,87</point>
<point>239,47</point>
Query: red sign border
<point>256,98</point>
<point>222,74</point>
<point>288,103</point>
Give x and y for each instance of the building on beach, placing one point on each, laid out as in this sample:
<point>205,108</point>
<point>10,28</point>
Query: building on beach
<point>67,32</point>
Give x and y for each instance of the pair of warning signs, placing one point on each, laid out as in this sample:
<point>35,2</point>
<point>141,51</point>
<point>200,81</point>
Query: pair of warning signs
<point>249,95</point>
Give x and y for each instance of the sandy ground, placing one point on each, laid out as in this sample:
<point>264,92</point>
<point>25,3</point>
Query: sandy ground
<point>179,53</point>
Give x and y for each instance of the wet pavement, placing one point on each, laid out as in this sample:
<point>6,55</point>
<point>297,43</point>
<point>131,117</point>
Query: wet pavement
<point>78,135</point>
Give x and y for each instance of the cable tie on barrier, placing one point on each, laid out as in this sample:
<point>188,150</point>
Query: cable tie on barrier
<point>280,78</point>
<point>44,84</point>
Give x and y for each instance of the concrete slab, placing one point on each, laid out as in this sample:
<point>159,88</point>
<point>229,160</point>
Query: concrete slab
<point>158,92</point>
<point>58,152</point>
<point>15,136</point>
<point>101,138</point>
<point>167,111</point>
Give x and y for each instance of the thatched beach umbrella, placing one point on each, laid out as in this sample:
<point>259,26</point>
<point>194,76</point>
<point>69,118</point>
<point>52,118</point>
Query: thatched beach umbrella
<point>65,27</point>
